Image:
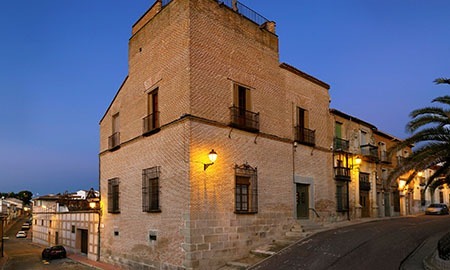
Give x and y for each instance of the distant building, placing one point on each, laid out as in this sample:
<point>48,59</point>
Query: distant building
<point>67,219</point>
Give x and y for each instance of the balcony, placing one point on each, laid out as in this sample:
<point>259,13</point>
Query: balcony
<point>340,145</point>
<point>384,157</point>
<point>114,141</point>
<point>370,152</point>
<point>342,173</point>
<point>245,120</point>
<point>305,136</point>
<point>150,124</point>
<point>364,185</point>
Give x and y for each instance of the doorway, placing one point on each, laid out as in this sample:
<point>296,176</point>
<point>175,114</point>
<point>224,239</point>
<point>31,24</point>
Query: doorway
<point>84,241</point>
<point>302,199</point>
<point>365,203</point>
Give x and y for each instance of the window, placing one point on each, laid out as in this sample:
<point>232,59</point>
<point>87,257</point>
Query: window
<point>151,121</point>
<point>441,197</point>
<point>73,228</point>
<point>363,138</point>
<point>114,139</point>
<point>246,189</point>
<point>364,181</point>
<point>338,130</point>
<point>341,196</point>
<point>150,189</point>
<point>113,196</point>
<point>241,112</point>
<point>303,134</point>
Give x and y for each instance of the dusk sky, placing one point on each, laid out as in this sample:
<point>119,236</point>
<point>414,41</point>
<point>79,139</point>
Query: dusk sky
<point>61,63</point>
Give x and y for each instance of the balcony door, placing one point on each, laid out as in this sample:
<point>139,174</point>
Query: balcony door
<point>302,198</point>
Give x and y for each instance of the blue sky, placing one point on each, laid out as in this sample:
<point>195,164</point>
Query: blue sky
<point>61,62</point>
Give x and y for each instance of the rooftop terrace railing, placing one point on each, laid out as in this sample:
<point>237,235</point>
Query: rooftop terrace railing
<point>237,7</point>
<point>245,11</point>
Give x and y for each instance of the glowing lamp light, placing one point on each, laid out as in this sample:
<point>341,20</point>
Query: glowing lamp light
<point>358,160</point>
<point>401,184</point>
<point>93,205</point>
<point>212,157</point>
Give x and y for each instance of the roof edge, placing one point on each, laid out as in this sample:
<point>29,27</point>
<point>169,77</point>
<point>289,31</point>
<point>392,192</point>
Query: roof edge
<point>304,75</point>
<point>115,96</point>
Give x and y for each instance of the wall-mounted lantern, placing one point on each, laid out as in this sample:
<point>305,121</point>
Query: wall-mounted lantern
<point>212,157</point>
<point>356,162</point>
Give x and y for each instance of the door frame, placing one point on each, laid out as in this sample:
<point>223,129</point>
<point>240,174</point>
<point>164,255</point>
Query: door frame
<point>303,180</point>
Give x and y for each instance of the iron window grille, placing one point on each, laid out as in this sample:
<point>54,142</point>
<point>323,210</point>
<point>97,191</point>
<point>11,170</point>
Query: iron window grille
<point>150,189</point>
<point>113,196</point>
<point>246,189</point>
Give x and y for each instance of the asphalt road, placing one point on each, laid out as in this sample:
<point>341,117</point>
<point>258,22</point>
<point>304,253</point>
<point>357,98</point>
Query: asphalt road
<point>23,254</point>
<point>375,245</point>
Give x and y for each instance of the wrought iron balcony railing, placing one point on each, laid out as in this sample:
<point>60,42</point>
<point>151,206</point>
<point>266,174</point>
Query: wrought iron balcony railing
<point>243,119</point>
<point>340,144</point>
<point>370,151</point>
<point>114,141</point>
<point>150,123</point>
<point>342,173</point>
<point>237,7</point>
<point>305,136</point>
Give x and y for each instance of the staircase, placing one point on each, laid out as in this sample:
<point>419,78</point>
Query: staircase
<point>304,228</point>
<point>301,229</point>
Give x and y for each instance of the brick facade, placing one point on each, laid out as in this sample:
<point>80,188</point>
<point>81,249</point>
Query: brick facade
<point>196,54</point>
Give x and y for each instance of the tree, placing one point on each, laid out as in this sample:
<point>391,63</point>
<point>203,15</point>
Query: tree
<point>430,128</point>
<point>25,196</point>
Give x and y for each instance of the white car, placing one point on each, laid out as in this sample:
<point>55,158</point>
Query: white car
<point>21,234</point>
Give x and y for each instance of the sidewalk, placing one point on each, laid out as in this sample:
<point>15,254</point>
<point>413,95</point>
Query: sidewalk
<point>84,260</point>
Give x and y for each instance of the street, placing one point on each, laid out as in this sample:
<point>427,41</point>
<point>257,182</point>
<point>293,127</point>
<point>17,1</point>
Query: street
<point>23,254</point>
<point>374,245</point>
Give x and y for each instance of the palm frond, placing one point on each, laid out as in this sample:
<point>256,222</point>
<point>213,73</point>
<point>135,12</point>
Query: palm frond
<point>441,80</point>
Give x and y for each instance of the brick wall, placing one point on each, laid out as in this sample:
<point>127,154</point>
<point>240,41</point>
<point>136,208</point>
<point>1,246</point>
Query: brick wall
<point>194,52</point>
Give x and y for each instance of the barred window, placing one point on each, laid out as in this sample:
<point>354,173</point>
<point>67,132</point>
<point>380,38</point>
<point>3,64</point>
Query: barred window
<point>113,195</point>
<point>150,189</point>
<point>246,189</point>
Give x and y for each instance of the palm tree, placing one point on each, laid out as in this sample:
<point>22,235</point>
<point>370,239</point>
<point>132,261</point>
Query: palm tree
<point>430,128</point>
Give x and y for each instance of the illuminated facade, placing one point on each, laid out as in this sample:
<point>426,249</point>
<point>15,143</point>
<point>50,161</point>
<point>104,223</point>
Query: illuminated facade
<point>203,77</point>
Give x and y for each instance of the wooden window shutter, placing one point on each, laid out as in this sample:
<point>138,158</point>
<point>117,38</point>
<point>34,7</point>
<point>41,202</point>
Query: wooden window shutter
<point>235,95</point>
<point>248,100</point>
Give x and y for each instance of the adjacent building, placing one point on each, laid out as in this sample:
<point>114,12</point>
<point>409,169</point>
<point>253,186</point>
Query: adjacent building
<point>362,166</point>
<point>68,220</point>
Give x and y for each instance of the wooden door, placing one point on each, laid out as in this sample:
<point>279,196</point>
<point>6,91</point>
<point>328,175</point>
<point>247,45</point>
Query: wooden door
<point>302,198</point>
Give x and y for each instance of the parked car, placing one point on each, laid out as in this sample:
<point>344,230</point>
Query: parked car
<point>54,252</point>
<point>437,209</point>
<point>21,234</point>
<point>25,226</point>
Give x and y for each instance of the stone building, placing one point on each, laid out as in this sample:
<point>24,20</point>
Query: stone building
<point>205,78</point>
<point>66,219</point>
<point>362,167</point>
